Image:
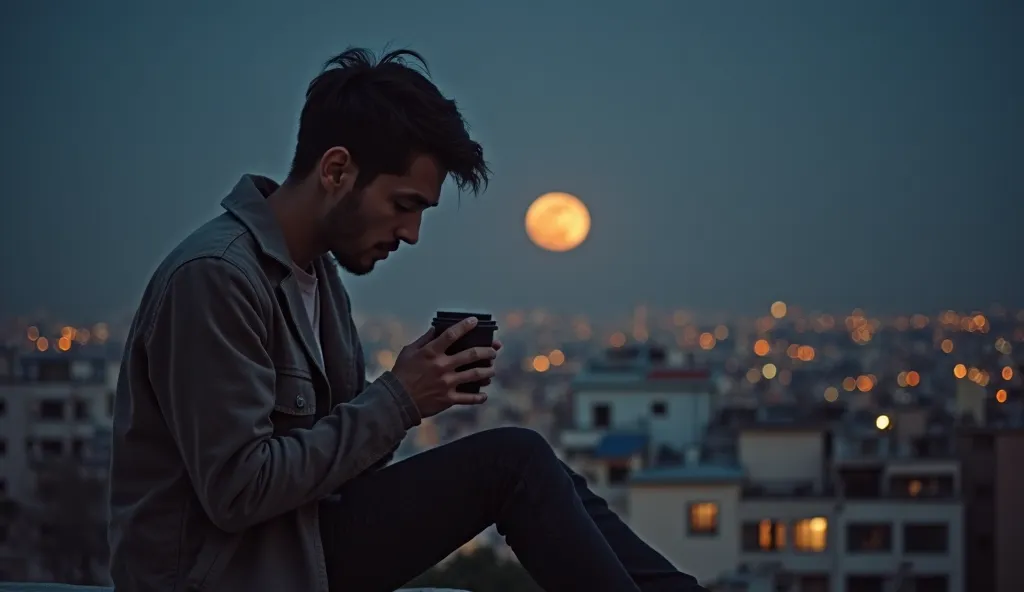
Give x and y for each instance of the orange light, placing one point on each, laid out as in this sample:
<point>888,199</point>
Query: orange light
<point>541,363</point>
<point>64,344</point>
<point>1007,373</point>
<point>913,378</point>
<point>42,344</point>
<point>707,341</point>
<point>960,371</point>
<point>849,383</point>
<point>556,357</point>
<point>1001,396</point>
<point>947,346</point>
<point>864,384</point>
<point>761,347</point>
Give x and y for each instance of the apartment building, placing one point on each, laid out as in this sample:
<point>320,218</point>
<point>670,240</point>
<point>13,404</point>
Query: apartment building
<point>860,505</point>
<point>635,406</point>
<point>54,406</point>
<point>993,486</point>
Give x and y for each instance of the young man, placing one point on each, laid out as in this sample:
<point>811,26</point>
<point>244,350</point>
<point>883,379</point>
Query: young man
<point>249,453</point>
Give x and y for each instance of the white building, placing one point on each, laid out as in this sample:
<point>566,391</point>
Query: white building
<point>630,409</point>
<point>811,509</point>
<point>53,406</point>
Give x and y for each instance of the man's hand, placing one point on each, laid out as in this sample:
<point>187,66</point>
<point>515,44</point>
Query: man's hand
<point>497,348</point>
<point>429,375</point>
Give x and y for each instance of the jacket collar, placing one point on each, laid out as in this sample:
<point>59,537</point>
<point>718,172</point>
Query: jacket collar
<point>248,202</point>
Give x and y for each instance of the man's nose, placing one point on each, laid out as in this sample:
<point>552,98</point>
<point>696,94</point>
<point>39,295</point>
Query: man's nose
<point>410,233</point>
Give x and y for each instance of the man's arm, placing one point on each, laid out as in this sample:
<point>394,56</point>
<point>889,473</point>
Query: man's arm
<point>214,382</point>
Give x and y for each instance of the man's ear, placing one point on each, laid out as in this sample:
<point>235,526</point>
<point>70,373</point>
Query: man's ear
<point>337,171</point>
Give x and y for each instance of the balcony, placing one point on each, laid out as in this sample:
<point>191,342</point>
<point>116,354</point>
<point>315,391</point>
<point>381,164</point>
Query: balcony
<point>581,440</point>
<point>785,490</point>
<point>881,449</point>
<point>588,439</point>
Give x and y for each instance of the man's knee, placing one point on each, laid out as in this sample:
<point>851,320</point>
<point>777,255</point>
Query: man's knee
<point>521,440</point>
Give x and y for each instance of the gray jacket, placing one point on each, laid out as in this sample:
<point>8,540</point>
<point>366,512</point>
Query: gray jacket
<point>228,429</point>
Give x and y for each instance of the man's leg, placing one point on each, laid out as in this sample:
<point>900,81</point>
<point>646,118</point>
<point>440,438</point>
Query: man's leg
<point>387,527</point>
<point>650,571</point>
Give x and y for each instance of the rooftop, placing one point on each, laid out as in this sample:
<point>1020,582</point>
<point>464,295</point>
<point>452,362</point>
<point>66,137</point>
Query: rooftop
<point>637,366</point>
<point>689,474</point>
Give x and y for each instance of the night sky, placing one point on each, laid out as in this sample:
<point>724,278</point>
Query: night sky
<point>830,154</point>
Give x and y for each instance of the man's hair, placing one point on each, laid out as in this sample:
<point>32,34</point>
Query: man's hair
<point>385,112</point>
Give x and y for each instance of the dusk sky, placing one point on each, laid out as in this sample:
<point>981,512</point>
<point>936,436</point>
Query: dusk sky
<point>830,154</point>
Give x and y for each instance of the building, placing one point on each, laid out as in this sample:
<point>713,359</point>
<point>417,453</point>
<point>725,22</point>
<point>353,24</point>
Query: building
<point>634,407</point>
<point>810,505</point>
<point>54,407</point>
<point>993,488</point>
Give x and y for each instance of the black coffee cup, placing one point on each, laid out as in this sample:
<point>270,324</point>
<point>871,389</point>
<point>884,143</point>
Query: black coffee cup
<point>482,335</point>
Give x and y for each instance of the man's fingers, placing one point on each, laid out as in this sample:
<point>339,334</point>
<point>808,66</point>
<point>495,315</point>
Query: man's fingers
<point>442,342</point>
<point>467,399</point>
<point>468,356</point>
<point>472,375</point>
<point>424,339</point>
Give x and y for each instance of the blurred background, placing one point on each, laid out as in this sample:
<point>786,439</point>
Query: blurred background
<point>767,303</point>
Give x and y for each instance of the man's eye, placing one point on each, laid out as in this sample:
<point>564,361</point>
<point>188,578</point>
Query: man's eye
<point>404,207</point>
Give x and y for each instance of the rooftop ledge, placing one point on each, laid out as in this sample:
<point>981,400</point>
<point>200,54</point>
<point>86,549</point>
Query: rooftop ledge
<point>33,587</point>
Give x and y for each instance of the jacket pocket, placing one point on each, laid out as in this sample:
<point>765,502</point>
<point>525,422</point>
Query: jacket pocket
<point>294,400</point>
<point>216,552</point>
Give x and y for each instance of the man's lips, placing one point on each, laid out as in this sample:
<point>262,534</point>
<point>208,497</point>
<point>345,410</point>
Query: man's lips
<point>387,250</point>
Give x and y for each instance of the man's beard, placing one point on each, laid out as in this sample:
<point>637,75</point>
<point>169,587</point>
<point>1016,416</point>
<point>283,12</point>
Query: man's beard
<point>352,264</point>
<point>343,228</point>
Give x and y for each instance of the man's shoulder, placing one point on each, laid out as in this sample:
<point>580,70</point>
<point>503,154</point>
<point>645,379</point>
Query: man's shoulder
<point>221,245</point>
<point>223,239</point>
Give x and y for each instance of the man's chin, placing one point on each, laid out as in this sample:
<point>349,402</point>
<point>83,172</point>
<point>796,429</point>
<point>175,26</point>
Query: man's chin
<point>355,267</point>
<point>360,270</point>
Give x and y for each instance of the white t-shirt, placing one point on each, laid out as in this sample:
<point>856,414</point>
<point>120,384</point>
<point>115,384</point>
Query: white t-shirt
<point>311,302</point>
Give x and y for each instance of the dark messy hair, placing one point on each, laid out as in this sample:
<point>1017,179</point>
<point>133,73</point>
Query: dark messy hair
<point>385,112</point>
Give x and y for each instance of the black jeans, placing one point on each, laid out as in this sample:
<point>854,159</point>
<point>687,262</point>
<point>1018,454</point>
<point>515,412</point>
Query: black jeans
<point>389,526</point>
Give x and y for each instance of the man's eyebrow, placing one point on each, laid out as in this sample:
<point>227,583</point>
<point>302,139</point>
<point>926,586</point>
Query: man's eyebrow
<point>417,197</point>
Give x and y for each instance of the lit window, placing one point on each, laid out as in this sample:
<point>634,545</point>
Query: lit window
<point>771,535</point>
<point>703,518</point>
<point>763,536</point>
<point>810,534</point>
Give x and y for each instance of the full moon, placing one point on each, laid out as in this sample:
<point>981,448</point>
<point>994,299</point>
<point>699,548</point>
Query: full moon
<point>557,222</point>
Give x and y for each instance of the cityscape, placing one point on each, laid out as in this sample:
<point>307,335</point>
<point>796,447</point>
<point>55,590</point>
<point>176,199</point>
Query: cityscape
<point>750,263</point>
<point>796,451</point>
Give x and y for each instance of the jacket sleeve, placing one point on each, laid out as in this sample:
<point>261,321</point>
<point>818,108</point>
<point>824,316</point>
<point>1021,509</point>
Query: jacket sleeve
<point>214,382</point>
<point>361,379</point>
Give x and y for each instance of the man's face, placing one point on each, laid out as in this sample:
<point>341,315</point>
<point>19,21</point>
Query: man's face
<point>365,225</point>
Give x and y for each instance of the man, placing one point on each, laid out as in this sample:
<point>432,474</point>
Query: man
<point>249,453</point>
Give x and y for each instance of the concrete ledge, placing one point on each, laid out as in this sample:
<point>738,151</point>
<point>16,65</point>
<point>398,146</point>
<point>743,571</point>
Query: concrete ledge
<point>33,587</point>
